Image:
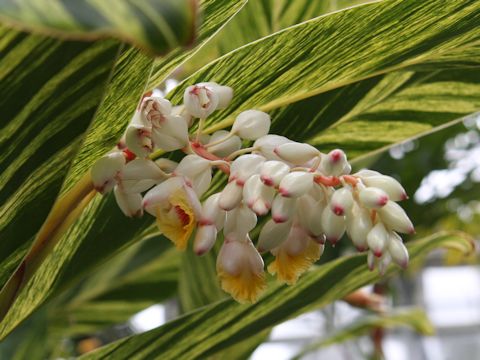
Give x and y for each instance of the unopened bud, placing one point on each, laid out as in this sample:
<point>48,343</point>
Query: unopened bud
<point>230,196</point>
<point>395,218</point>
<point>283,209</point>
<point>272,172</point>
<point>204,239</point>
<point>272,235</point>
<point>296,153</point>
<point>296,184</point>
<point>200,101</point>
<point>332,225</point>
<point>138,140</point>
<point>257,195</point>
<point>240,220</point>
<point>211,213</point>
<point>397,250</point>
<point>341,201</point>
<point>225,148</point>
<point>359,225</point>
<point>373,198</point>
<point>105,171</point>
<point>392,187</point>
<point>309,212</point>
<point>334,163</point>
<point>266,144</point>
<point>130,204</point>
<point>377,239</point>
<point>251,124</point>
<point>245,166</point>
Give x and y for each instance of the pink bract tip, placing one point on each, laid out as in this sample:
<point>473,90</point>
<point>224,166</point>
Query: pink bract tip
<point>382,200</point>
<point>279,219</point>
<point>284,192</point>
<point>336,155</point>
<point>361,248</point>
<point>267,181</point>
<point>378,253</point>
<point>404,196</point>
<point>338,210</point>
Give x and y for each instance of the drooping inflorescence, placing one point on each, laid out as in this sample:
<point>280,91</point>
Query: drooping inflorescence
<point>307,197</point>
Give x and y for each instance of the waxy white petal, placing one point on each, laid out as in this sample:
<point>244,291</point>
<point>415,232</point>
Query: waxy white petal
<point>341,201</point>
<point>257,195</point>
<point>160,193</point>
<point>227,147</point>
<point>138,140</point>
<point>283,208</point>
<point>333,226</point>
<point>334,163</point>
<point>200,101</point>
<point>212,213</point>
<point>359,224</point>
<point>397,250</point>
<point>296,153</point>
<point>197,170</point>
<point>377,239</point>
<point>204,239</point>
<point>392,187</point>
<point>296,184</point>
<point>130,204</point>
<point>240,220</point>
<point>266,144</point>
<point>373,198</point>
<point>272,235</point>
<point>395,218</point>
<point>245,166</point>
<point>105,171</point>
<point>171,135</point>
<point>231,196</point>
<point>224,93</point>
<point>272,172</point>
<point>251,124</point>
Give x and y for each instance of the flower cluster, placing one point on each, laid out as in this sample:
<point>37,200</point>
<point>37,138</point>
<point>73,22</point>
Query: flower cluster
<point>307,197</point>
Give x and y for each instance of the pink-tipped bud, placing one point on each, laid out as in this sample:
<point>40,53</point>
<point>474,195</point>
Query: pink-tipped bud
<point>371,260</point>
<point>392,187</point>
<point>296,184</point>
<point>245,166</point>
<point>334,163</point>
<point>395,218</point>
<point>272,235</point>
<point>373,198</point>
<point>230,196</point>
<point>171,135</point>
<point>140,175</point>
<point>296,153</point>
<point>130,204</point>
<point>383,263</point>
<point>225,148</point>
<point>257,195</point>
<point>251,124</point>
<point>377,239</point>
<point>204,239</point>
<point>224,93</point>
<point>283,209</point>
<point>197,170</point>
<point>341,201</point>
<point>211,213</point>
<point>398,251</point>
<point>359,225</point>
<point>240,221</point>
<point>266,144</point>
<point>308,214</point>
<point>200,101</point>
<point>272,172</point>
<point>333,225</point>
<point>138,140</point>
<point>106,171</point>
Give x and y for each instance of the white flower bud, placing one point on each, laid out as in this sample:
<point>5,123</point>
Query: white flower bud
<point>224,93</point>
<point>272,235</point>
<point>211,213</point>
<point>383,263</point>
<point>341,201</point>
<point>204,239</point>
<point>296,153</point>
<point>359,224</point>
<point>240,220</point>
<point>200,101</point>
<point>283,209</point>
<point>251,124</point>
<point>397,250</point>
<point>377,239</point>
<point>138,140</point>
<point>140,175</point>
<point>296,184</point>
<point>226,147</point>
<point>266,144</point>
<point>171,135</point>
<point>373,198</point>
<point>182,112</point>
<point>395,218</point>
<point>230,196</point>
<point>245,166</point>
<point>392,187</point>
<point>272,172</point>
<point>105,171</point>
<point>309,213</point>
<point>364,173</point>
<point>197,170</point>
<point>334,163</point>
<point>130,204</point>
<point>333,225</point>
<point>258,196</point>
<point>371,260</point>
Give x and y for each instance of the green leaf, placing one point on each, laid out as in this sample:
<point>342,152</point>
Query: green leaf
<point>156,26</point>
<point>415,319</point>
<point>211,329</point>
<point>85,245</point>
<point>334,70</point>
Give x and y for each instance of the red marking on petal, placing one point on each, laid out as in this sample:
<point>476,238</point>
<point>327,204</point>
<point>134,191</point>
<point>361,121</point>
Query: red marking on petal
<point>404,196</point>
<point>267,181</point>
<point>182,215</point>
<point>377,253</point>
<point>361,248</point>
<point>279,219</point>
<point>240,182</point>
<point>129,156</point>
<point>412,231</point>
<point>284,192</point>
<point>205,222</point>
<point>338,210</point>
<point>336,155</point>
<point>382,200</point>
